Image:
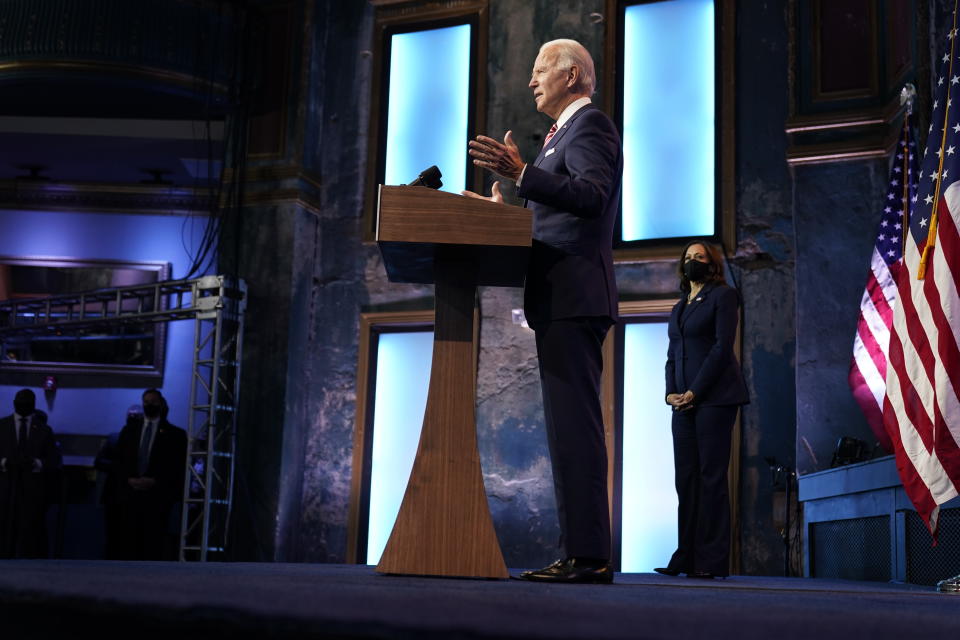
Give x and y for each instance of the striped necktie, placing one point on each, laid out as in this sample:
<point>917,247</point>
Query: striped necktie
<point>550,134</point>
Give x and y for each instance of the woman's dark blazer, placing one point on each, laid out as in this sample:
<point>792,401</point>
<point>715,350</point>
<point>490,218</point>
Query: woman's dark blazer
<point>700,357</point>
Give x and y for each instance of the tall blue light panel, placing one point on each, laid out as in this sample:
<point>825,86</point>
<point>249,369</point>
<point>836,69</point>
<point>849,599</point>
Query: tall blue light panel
<point>400,399</point>
<point>668,120</point>
<point>427,112</point>
<point>649,513</point>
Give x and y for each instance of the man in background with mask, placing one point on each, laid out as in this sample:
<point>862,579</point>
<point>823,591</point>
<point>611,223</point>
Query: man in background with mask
<point>150,464</point>
<point>28,453</point>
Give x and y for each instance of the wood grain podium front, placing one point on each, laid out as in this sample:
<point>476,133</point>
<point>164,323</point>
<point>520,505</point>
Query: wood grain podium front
<point>444,526</point>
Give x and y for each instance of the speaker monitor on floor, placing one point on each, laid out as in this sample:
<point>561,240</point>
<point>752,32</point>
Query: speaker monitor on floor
<point>848,451</point>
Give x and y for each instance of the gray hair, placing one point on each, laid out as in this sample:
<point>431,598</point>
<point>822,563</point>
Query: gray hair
<point>571,53</point>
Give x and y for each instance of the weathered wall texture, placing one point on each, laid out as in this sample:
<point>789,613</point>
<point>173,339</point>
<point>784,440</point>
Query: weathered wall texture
<point>766,261</point>
<point>834,238</point>
<point>306,268</point>
<point>338,87</point>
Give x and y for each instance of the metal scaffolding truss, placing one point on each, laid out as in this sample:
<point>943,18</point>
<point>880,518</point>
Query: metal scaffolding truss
<point>214,388</point>
<point>216,304</point>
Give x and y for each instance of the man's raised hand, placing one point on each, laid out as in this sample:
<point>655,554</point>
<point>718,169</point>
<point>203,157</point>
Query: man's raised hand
<point>501,158</point>
<point>495,191</point>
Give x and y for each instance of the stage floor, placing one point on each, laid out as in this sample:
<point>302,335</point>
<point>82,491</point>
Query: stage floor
<point>59,598</point>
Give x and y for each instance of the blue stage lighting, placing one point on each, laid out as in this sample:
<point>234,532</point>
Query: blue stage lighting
<point>649,511</point>
<point>403,377</point>
<point>428,108</point>
<point>668,120</point>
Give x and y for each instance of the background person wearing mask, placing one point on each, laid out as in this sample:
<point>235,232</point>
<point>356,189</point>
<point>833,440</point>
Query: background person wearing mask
<point>705,389</point>
<point>28,453</point>
<point>150,464</point>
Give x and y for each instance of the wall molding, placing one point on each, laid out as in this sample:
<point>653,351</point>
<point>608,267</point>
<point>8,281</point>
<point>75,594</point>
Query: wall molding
<point>104,198</point>
<point>860,119</point>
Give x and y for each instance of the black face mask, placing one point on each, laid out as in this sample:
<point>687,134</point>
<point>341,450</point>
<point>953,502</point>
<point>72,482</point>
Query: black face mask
<point>151,410</point>
<point>696,271</point>
<point>24,408</point>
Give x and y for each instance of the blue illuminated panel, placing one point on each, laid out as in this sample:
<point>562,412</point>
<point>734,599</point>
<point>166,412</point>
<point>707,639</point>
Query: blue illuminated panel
<point>649,517</point>
<point>403,376</point>
<point>427,112</point>
<point>668,120</point>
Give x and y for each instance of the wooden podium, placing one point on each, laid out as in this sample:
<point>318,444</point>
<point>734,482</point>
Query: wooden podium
<point>444,526</point>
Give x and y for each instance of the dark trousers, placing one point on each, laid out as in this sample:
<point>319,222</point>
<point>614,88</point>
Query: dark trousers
<point>701,456</point>
<point>23,508</point>
<point>143,529</point>
<point>571,362</point>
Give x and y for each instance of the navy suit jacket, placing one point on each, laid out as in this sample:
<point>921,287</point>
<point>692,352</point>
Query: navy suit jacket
<point>573,189</point>
<point>167,463</point>
<point>700,357</point>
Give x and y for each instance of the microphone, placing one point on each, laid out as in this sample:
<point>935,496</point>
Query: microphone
<point>428,178</point>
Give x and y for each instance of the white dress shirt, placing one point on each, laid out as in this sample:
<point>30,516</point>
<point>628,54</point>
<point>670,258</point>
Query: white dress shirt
<point>565,115</point>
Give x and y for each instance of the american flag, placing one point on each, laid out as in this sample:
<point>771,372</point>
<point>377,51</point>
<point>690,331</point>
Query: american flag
<point>921,411</point>
<point>868,367</point>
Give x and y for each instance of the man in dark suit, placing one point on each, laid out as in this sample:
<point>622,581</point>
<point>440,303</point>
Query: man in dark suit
<point>150,465</point>
<point>570,295</point>
<point>28,454</point>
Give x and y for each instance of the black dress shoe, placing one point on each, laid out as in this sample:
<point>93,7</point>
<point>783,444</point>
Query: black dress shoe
<point>667,571</point>
<point>571,571</point>
<point>556,564</point>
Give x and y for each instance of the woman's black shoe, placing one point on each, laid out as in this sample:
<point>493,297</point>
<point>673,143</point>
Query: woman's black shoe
<point>667,571</point>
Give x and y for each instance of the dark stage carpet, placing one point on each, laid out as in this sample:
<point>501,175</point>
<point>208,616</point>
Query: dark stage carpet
<point>140,600</point>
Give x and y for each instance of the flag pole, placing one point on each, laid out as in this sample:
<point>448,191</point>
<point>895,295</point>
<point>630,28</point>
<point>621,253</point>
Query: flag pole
<point>907,97</point>
<point>932,233</point>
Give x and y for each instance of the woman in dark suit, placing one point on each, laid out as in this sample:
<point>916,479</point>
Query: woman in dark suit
<point>705,389</point>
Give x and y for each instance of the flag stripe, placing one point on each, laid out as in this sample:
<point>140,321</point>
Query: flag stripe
<point>867,370</point>
<point>948,386</point>
<point>944,303</point>
<point>872,347</point>
<point>920,470</point>
<point>914,366</point>
<point>903,436</point>
<point>870,396</point>
<point>881,289</point>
